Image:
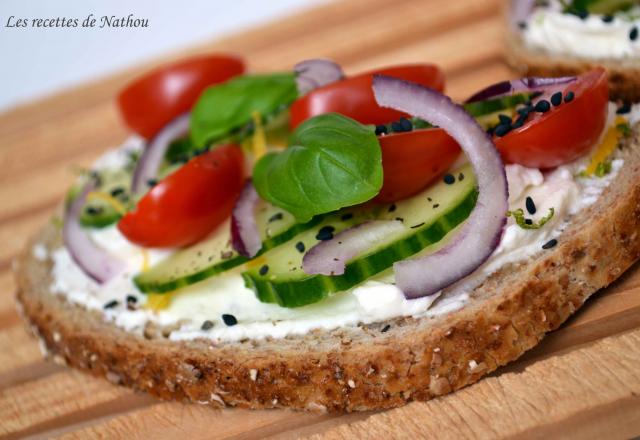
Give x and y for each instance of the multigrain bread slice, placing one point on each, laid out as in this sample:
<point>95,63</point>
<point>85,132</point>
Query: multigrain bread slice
<point>359,368</point>
<point>624,75</point>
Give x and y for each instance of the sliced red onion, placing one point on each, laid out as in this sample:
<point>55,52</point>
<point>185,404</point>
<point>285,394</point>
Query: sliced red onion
<point>532,84</point>
<point>245,237</point>
<point>480,234</point>
<point>93,261</point>
<point>151,159</point>
<point>330,257</point>
<point>314,73</point>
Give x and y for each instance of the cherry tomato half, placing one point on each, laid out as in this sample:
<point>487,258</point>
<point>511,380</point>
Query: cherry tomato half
<point>413,160</point>
<point>189,203</point>
<point>564,133</point>
<point>151,101</point>
<point>353,97</point>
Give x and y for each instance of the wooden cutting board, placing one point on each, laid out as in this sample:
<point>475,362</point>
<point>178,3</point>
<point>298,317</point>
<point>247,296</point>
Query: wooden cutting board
<point>583,381</point>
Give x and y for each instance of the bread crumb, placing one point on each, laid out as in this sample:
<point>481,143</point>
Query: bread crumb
<point>253,374</point>
<point>316,407</point>
<point>436,350</point>
<point>113,377</point>
<point>351,383</point>
<point>57,359</point>
<point>274,402</point>
<point>56,337</point>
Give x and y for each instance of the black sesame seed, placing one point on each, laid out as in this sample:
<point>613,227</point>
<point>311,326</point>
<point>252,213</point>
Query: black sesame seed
<point>607,18</point>
<point>381,129</point>
<point>406,124</point>
<point>207,325</point>
<point>436,205</point>
<point>556,99</point>
<point>347,216</point>
<point>111,304</point>
<point>263,270</point>
<point>460,177</point>
<point>392,207</point>
<point>542,106</point>
<point>230,320</point>
<point>400,219</point>
<point>94,210</point>
<point>325,233</point>
<point>300,246</point>
<point>152,182</point>
<point>582,13</point>
<point>502,130</point>
<point>385,328</point>
<point>397,126</point>
<point>449,179</point>
<point>417,226</point>
<point>626,108</point>
<point>549,244</point>
<point>131,299</point>
<point>115,192</point>
<point>633,34</point>
<point>528,221</point>
<point>519,123</point>
<point>504,119</point>
<point>569,97</point>
<point>226,255</point>
<point>429,199</point>
<point>276,216</point>
<point>531,207</point>
<point>522,25</point>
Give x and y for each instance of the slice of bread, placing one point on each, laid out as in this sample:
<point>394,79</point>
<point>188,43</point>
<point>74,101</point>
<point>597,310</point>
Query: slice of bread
<point>624,75</point>
<point>357,368</point>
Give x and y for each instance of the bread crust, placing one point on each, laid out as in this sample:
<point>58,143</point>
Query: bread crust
<point>359,368</point>
<point>624,75</point>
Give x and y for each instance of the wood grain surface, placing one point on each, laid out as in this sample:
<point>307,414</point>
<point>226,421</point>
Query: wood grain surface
<point>582,381</point>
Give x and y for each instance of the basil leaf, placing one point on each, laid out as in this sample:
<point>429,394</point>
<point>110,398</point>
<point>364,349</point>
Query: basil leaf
<point>332,162</point>
<point>227,107</point>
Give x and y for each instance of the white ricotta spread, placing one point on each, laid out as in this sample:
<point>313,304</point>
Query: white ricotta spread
<point>375,300</point>
<point>550,29</point>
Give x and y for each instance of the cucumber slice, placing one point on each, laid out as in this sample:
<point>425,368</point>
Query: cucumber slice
<point>428,217</point>
<point>215,255</point>
<point>104,205</point>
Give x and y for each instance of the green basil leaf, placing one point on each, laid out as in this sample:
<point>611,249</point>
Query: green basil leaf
<point>227,107</point>
<point>332,161</point>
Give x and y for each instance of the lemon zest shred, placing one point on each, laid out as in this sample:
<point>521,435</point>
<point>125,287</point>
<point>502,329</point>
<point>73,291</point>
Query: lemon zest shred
<point>158,301</point>
<point>259,139</point>
<point>606,147</point>
<point>115,203</point>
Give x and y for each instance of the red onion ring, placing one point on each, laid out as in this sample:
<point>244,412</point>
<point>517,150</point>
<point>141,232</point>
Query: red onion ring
<point>330,257</point>
<point>314,73</point>
<point>151,159</point>
<point>480,234</point>
<point>532,84</point>
<point>93,261</point>
<point>245,237</point>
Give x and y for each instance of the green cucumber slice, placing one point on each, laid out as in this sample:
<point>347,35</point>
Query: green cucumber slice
<point>428,217</point>
<point>112,188</point>
<point>215,255</point>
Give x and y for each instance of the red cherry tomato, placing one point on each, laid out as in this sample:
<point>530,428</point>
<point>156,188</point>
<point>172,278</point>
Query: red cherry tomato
<point>353,97</point>
<point>151,101</point>
<point>564,133</point>
<point>413,160</point>
<point>189,203</point>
